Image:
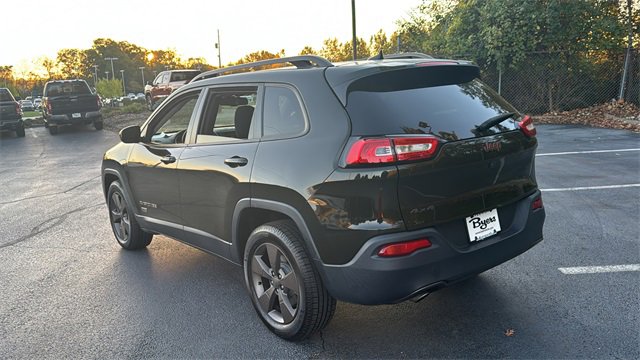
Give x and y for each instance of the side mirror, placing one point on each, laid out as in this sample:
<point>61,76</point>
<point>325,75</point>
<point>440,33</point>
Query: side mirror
<point>130,134</point>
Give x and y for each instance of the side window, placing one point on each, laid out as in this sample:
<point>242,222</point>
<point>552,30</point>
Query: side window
<point>171,126</point>
<point>158,79</point>
<point>282,113</point>
<point>165,78</point>
<point>228,115</point>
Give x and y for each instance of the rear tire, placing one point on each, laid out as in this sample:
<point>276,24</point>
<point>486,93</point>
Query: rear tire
<point>53,130</point>
<point>285,289</point>
<point>128,233</point>
<point>20,131</point>
<point>98,124</point>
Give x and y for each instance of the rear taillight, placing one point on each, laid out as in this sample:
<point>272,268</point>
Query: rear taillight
<point>527,127</point>
<point>49,107</point>
<point>537,203</point>
<point>403,248</point>
<point>390,150</point>
<point>98,102</point>
<point>18,109</point>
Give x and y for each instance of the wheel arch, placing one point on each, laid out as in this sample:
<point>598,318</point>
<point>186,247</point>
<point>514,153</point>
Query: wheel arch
<point>250,213</point>
<point>109,175</point>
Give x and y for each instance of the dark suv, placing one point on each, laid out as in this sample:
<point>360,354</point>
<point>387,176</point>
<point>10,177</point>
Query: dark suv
<point>372,182</point>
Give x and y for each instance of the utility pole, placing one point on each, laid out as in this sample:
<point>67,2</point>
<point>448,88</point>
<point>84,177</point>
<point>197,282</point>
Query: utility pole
<point>124,89</point>
<point>353,26</point>
<point>142,72</point>
<point>627,59</point>
<point>112,59</point>
<point>218,47</point>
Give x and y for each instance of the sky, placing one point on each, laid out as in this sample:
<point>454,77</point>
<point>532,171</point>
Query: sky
<point>189,26</point>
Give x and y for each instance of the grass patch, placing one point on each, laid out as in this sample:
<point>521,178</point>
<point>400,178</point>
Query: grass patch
<point>32,114</point>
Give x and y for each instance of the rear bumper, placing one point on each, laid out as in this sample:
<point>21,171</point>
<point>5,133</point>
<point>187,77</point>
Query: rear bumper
<point>67,119</point>
<point>369,279</point>
<point>13,124</point>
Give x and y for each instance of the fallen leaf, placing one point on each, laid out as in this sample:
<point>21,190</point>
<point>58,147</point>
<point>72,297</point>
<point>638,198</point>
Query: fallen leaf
<point>510,332</point>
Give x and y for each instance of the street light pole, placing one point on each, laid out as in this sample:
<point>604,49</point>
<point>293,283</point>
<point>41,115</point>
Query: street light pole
<point>107,74</point>
<point>218,47</point>
<point>111,59</point>
<point>353,26</point>
<point>142,72</point>
<point>124,89</point>
<point>95,75</point>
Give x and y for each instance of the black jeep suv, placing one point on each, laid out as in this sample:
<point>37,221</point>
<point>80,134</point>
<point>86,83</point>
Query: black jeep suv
<point>370,182</point>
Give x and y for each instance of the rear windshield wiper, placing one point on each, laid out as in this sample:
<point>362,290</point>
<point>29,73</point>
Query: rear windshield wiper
<point>494,121</point>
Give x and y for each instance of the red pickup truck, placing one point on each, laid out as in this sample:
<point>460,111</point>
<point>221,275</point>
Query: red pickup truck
<point>165,83</point>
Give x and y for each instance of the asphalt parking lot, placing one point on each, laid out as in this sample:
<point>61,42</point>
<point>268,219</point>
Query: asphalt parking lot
<point>67,290</point>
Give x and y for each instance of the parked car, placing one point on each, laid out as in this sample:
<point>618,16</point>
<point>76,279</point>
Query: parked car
<point>67,102</point>
<point>165,83</point>
<point>372,182</point>
<point>139,96</point>
<point>131,96</point>
<point>26,105</point>
<point>10,113</point>
<point>37,103</point>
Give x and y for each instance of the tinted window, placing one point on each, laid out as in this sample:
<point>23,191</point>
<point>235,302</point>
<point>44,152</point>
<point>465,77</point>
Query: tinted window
<point>172,126</point>
<point>282,113</point>
<point>5,95</point>
<point>158,79</point>
<point>67,88</point>
<point>229,114</point>
<point>183,75</point>
<point>450,111</point>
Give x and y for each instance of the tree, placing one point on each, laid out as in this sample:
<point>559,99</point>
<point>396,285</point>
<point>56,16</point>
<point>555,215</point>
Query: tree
<point>308,50</point>
<point>72,63</point>
<point>109,88</point>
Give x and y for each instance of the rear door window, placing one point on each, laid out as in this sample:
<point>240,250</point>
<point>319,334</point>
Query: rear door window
<point>229,115</point>
<point>451,112</point>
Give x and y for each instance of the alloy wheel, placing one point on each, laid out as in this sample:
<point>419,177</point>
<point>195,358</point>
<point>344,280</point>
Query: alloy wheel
<point>275,284</point>
<point>119,217</point>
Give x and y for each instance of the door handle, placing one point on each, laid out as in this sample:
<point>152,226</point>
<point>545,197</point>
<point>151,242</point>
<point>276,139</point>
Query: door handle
<point>168,159</point>
<point>236,161</point>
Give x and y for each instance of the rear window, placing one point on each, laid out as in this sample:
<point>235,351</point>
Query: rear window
<point>5,95</point>
<point>67,88</point>
<point>183,76</point>
<point>451,112</point>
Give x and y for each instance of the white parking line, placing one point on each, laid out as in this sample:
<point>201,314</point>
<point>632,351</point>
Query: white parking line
<point>587,152</point>
<point>592,187</point>
<point>599,269</point>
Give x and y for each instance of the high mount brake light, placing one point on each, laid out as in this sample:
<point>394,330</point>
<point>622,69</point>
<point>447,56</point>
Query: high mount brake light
<point>527,127</point>
<point>391,150</point>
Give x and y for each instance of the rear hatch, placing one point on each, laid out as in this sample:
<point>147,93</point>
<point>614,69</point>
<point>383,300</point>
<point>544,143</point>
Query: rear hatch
<point>70,97</point>
<point>432,122</point>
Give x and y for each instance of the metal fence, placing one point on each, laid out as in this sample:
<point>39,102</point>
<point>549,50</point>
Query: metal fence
<point>557,81</point>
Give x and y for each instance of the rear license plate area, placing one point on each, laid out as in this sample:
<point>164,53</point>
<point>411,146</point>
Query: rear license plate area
<point>483,225</point>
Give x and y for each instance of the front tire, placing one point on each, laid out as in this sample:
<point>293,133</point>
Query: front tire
<point>123,222</point>
<point>285,289</point>
<point>150,103</point>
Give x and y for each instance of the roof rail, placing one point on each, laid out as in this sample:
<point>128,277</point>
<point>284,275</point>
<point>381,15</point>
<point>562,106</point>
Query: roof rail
<point>301,62</point>
<point>406,55</point>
